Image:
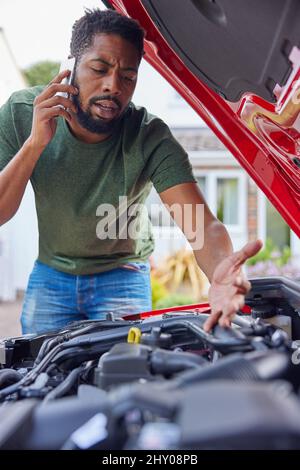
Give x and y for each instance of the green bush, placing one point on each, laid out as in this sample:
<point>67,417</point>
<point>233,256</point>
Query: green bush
<point>271,252</point>
<point>41,73</point>
<point>174,300</point>
<point>159,291</point>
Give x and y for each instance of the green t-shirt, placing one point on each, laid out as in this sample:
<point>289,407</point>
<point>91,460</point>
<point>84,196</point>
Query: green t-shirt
<point>72,180</point>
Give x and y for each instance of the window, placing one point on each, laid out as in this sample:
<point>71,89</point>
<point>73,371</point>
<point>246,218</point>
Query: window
<point>227,200</point>
<point>225,192</point>
<point>201,180</point>
<point>276,228</point>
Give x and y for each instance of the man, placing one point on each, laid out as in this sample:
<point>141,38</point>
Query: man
<point>82,153</point>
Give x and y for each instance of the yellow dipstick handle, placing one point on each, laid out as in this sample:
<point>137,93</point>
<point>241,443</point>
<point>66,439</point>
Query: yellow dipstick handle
<point>134,335</point>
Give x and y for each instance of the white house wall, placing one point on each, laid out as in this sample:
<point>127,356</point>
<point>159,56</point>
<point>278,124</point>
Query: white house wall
<point>154,93</point>
<point>11,78</point>
<point>18,237</point>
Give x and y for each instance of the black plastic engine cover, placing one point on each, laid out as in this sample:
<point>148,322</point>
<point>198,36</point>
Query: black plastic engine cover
<point>223,415</point>
<point>234,46</point>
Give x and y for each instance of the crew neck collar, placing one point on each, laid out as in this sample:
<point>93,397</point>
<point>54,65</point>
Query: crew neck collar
<point>75,142</point>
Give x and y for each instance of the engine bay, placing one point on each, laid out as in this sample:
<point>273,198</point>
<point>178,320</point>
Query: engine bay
<point>159,381</point>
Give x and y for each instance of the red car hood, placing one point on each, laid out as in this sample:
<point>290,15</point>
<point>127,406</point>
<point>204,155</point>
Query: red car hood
<point>237,64</point>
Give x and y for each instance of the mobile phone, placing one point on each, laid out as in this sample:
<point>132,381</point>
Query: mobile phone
<point>68,64</point>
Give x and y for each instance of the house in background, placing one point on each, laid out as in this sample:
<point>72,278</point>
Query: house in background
<point>18,238</point>
<point>230,193</point>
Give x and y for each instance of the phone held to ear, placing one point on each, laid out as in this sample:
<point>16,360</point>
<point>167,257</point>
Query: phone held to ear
<point>68,64</point>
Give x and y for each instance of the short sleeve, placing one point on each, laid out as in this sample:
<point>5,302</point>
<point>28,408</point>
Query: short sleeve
<point>167,163</point>
<point>8,140</point>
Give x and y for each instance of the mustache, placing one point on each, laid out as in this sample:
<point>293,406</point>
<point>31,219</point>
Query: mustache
<point>106,97</point>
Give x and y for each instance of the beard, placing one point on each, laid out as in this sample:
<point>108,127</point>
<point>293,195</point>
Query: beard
<point>90,123</point>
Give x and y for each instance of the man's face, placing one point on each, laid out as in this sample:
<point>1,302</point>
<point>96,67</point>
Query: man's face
<point>106,77</point>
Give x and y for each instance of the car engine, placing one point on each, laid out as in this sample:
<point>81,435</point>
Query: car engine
<point>159,381</point>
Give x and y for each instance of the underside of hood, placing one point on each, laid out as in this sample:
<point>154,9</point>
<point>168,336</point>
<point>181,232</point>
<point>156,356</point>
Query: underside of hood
<point>237,63</point>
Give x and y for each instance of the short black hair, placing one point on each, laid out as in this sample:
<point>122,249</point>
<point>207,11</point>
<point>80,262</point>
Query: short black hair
<point>97,21</point>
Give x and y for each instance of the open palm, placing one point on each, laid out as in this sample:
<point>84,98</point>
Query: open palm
<point>229,286</point>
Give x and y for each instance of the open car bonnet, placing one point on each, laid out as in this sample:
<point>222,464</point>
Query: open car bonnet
<point>237,63</point>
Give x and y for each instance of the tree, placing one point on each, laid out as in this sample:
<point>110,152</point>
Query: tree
<point>41,73</point>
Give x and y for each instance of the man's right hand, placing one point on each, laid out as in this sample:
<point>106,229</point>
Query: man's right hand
<point>47,107</point>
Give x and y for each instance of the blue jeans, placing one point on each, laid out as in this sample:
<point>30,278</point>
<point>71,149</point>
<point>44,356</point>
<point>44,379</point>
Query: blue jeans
<point>54,298</point>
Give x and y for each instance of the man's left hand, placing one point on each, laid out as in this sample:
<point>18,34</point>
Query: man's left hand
<point>229,286</point>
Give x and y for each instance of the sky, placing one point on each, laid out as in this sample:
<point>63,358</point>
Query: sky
<point>40,29</point>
